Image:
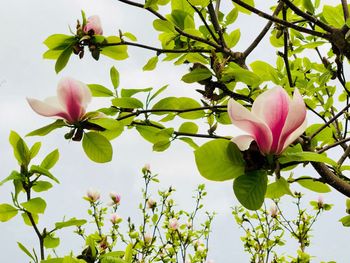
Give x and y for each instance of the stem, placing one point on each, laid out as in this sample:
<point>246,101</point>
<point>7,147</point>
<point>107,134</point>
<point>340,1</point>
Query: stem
<point>308,17</point>
<point>285,52</point>
<point>215,22</point>
<point>344,156</point>
<point>282,22</point>
<point>158,50</point>
<point>335,117</point>
<point>262,33</point>
<point>326,148</point>
<point>345,9</point>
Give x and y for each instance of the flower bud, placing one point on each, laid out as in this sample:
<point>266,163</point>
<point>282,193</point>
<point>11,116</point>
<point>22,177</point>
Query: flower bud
<point>148,238</point>
<point>273,211</point>
<point>115,219</point>
<point>151,204</point>
<point>146,168</point>
<point>320,202</point>
<point>93,195</point>
<point>93,23</point>
<point>173,224</point>
<point>115,198</point>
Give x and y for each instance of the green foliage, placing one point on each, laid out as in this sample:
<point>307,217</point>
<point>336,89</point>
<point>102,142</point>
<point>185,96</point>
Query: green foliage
<point>7,212</point>
<point>97,147</point>
<point>219,160</point>
<point>35,205</point>
<point>250,189</point>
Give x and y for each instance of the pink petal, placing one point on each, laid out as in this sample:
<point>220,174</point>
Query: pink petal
<point>243,142</point>
<point>46,109</point>
<point>74,96</point>
<point>93,23</point>
<point>296,121</point>
<point>247,121</point>
<point>272,106</point>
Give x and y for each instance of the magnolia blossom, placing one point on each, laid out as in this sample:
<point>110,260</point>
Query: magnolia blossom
<point>173,224</point>
<point>148,238</point>
<point>274,122</point>
<point>151,203</point>
<point>273,211</point>
<point>115,198</point>
<point>93,23</point>
<point>70,104</point>
<point>115,218</point>
<point>93,195</point>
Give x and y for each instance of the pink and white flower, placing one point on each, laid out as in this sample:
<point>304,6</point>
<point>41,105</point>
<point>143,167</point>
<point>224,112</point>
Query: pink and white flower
<point>70,103</point>
<point>115,198</point>
<point>93,195</point>
<point>274,122</point>
<point>173,224</point>
<point>115,219</point>
<point>93,23</point>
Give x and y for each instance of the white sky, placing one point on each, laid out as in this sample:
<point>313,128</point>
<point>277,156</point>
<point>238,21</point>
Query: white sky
<point>23,72</point>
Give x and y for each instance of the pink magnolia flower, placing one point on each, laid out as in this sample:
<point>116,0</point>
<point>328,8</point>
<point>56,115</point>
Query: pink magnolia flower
<point>93,23</point>
<point>274,122</point>
<point>70,104</point>
<point>115,198</point>
<point>115,218</point>
<point>93,195</point>
<point>173,224</point>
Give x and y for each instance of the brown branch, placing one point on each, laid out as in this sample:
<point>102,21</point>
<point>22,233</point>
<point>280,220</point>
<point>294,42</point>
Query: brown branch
<point>308,17</point>
<point>285,49</point>
<point>335,117</point>
<point>263,32</point>
<point>345,9</point>
<point>326,148</point>
<point>344,156</point>
<point>158,50</point>
<point>215,22</point>
<point>328,176</point>
<point>282,22</point>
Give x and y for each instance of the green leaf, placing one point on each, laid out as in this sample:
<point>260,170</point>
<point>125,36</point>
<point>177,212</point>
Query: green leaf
<point>305,157</point>
<point>333,15</point>
<point>234,71</point>
<point>345,221</point>
<point>202,3</point>
<point>25,250</point>
<point>97,147</point>
<point>151,64</point>
<point>47,129</point>
<point>128,252</point>
<point>242,9</point>
<point>163,26</point>
<point>114,74</point>
<point>129,35</point>
<point>197,74</point>
<point>265,71</point>
<point>158,92</point>
<point>113,127</point>
<point>63,59</point>
<point>71,222</point>
<point>188,127</point>
<point>231,16</point>
<point>41,186</point>
<point>148,133</point>
<point>190,142</point>
<point>35,205</point>
<point>309,6</point>
<point>7,212</point>
<point>233,38</point>
<point>219,160</point>
<point>20,148</point>
<point>42,171</point>
<point>13,176</point>
<point>27,221</point>
<point>50,160</point>
<point>250,189</point>
<point>131,92</point>
<point>128,103</point>
<point>59,41</point>
<point>34,150</point>
<point>182,5</point>
<point>312,185</point>
<point>115,52</point>
<point>51,242</point>
<point>100,91</point>
<point>278,189</point>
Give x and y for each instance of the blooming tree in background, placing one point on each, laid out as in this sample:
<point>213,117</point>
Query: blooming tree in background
<point>270,102</point>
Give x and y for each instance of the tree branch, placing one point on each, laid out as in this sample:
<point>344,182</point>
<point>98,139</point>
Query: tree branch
<point>263,32</point>
<point>345,9</point>
<point>308,17</point>
<point>282,22</point>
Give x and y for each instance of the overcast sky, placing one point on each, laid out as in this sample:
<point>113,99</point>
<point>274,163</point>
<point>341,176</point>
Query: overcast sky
<point>23,73</point>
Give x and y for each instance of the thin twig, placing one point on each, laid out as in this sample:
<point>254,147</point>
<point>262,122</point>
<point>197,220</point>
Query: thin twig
<point>308,17</point>
<point>344,156</point>
<point>326,148</point>
<point>282,22</point>
<point>335,117</point>
<point>158,50</point>
<point>263,32</point>
<point>285,49</point>
<point>215,21</point>
<point>345,9</point>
